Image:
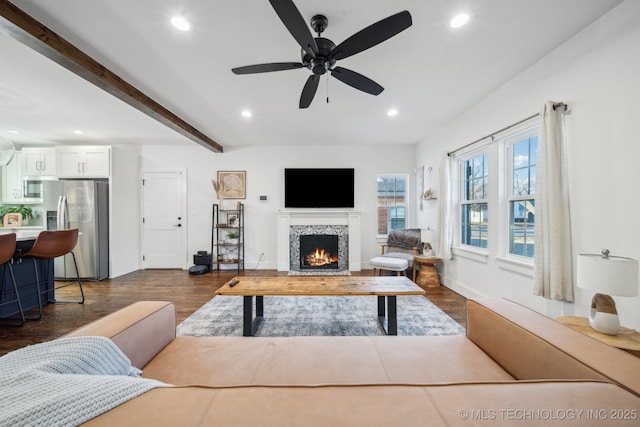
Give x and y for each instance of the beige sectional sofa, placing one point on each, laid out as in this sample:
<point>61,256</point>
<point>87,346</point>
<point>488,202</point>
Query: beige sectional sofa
<point>514,367</point>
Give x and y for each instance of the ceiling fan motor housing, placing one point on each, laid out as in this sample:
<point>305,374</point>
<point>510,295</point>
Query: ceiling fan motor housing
<point>319,23</point>
<point>321,63</point>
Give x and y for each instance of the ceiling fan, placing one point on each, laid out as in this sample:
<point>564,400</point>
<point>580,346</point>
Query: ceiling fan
<point>320,54</point>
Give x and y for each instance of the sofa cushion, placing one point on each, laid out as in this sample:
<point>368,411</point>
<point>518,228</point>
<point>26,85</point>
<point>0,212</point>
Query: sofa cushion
<point>389,263</point>
<point>507,404</point>
<point>408,256</point>
<point>234,361</point>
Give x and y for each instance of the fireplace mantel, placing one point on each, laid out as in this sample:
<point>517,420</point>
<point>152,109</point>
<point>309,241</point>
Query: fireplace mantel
<point>288,217</point>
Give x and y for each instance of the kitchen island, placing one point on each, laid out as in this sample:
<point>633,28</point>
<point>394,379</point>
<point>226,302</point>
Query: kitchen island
<point>25,275</point>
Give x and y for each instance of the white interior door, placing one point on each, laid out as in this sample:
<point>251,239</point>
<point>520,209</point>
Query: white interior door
<point>164,219</point>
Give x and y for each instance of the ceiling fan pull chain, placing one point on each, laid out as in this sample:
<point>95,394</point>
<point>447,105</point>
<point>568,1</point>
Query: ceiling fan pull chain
<point>327,88</point>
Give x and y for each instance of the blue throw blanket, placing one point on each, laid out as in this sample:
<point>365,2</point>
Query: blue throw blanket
<point>66,382</point>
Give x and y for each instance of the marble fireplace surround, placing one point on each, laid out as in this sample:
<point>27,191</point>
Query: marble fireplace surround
<point>299,217</point>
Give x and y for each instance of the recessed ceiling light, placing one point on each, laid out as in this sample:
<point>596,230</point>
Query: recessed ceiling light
<point>246,113</point>
<point>459,20</point>
<point>15,132</point>
<point>392,112</point>
<point>78,132</point>
<point>181,23</point>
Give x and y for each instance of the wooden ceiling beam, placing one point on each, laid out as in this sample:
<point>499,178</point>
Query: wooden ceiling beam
<point>27,30</point>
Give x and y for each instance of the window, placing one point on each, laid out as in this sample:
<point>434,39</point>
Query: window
<point>498,221</point>
<point>474,201</point>
<point>520,194</point>
<point>392,202</point>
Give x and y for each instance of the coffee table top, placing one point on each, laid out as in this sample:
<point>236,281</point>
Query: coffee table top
<point>322,285</point>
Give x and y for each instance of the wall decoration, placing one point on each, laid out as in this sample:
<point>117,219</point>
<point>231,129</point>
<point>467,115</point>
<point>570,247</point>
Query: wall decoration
<point>233,184</point>
<point>429,193</point>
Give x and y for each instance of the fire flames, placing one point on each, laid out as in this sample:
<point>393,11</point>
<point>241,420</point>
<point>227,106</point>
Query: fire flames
<point>319,258</point>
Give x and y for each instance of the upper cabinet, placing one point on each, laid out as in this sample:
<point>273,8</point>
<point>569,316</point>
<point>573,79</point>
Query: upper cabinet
<point>83,162</point>
<point>12,181</point>
<point>38,161</point>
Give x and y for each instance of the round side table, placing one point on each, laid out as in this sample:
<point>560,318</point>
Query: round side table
<point>427,276</point>
<point>629,341</point>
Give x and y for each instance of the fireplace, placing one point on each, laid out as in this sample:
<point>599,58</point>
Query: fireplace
<point>318,251</point>
<point>344,223</point>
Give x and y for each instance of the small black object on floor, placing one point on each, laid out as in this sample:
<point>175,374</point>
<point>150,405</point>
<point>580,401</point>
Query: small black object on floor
<point>198,269</point>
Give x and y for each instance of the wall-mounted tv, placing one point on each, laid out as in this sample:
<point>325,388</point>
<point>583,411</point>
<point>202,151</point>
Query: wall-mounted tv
<point>318,188</point>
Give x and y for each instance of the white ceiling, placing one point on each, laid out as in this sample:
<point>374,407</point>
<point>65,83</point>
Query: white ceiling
<point>430,72</point>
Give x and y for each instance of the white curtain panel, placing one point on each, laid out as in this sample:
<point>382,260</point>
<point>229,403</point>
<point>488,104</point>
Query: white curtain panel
<point>446,209</point>
<point>553,274</point>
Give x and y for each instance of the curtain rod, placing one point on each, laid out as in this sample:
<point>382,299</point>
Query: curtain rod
<point>556,105</point>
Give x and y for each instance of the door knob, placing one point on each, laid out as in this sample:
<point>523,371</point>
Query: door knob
<point>177,225</point>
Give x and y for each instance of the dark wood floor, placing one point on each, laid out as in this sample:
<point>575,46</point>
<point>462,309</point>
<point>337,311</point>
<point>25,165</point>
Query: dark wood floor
<point>188,293</point>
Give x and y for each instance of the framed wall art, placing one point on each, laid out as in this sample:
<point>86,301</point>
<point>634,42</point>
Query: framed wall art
<point>12,220</point>
<point>233,183</point>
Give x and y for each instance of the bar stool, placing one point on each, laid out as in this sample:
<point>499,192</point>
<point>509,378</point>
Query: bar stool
<point>50,245</point>
<point>7,250</point>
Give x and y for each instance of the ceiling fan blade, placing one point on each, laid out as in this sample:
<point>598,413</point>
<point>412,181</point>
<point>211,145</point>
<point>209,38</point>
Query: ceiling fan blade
<point>309,91</point>
<point>356,80</point>
<point>295,23</point>
<point>372,35</point>
<point>266,68</point>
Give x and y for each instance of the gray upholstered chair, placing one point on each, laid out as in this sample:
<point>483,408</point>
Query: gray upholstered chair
<point>403,243</point>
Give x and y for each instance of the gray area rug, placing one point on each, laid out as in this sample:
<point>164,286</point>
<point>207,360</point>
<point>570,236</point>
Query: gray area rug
<point>319,315</point>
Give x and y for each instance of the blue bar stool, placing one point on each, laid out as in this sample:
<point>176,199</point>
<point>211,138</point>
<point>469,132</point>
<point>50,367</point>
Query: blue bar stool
<point>50,245</point>
<point>7,250</point>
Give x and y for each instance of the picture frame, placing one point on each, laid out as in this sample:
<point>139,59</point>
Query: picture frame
<point>12,220</point>
<point>232,221</point>
<point>234,184</point>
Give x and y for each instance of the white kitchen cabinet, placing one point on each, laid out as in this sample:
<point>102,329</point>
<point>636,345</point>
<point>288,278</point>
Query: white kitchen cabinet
<point>38,161</point>
<point>83,162</point>
<point>12,181</point>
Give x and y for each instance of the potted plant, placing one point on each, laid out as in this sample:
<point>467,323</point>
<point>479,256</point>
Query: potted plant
<point>233,237</point>
<point>27,213</point>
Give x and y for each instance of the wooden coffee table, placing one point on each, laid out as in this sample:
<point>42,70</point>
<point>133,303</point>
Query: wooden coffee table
<point>384,287</point>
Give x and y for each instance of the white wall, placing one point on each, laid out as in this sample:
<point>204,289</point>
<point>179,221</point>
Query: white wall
<point>124,201</point>
<point>265,176</point>
<point>596,74</point>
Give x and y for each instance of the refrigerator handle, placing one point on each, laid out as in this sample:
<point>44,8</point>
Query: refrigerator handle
<point>65,207</point>
<point>63,213</point>
<point>59,213</point>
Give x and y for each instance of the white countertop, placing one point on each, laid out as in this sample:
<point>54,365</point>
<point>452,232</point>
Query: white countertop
<point>23,233</point>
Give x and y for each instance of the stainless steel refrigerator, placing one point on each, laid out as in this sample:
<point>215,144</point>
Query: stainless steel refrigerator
<point>81,204</point>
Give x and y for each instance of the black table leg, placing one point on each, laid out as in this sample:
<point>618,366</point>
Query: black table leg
<point>259,306</point>
<point>249,323</point>
<point>392,327</point>
<point>381,311</point>
<point>392,318</point>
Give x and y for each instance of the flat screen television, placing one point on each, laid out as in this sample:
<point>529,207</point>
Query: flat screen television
<point>318,188</point>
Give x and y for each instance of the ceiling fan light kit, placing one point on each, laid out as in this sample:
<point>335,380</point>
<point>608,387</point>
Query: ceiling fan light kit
<point>320,54</point>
